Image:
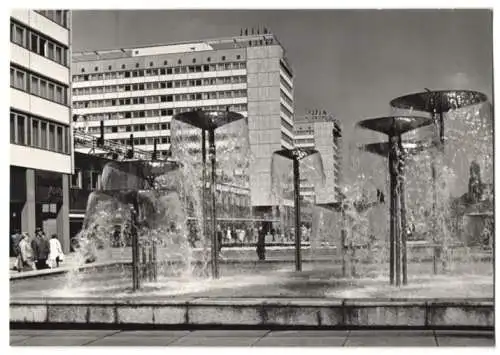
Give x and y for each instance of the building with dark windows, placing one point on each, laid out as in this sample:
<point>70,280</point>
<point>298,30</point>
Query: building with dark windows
<point>318,129</point>
<point>138,90</point>
<point>41,158</point>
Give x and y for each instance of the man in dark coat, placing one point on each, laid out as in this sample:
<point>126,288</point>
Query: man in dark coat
<point>41,249</point>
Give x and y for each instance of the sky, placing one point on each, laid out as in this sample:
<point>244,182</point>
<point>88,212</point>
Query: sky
<point>348,62</point>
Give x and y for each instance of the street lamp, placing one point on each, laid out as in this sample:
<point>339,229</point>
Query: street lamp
<point>209,121</point>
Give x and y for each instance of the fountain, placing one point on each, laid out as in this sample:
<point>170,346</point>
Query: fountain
<point>242,291</point>
<point>296,155</point>
<point>437,103</point>
<point>132,183</point>
<point>394,127</point>
<point>209,121</point>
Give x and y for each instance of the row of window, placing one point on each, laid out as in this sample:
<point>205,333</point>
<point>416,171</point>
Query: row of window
<point>285,84</point>
<point>131,128</point>
<point>58,16</point>
<point>144,140</point>
<point>92,179</point>
<point>304,132</point>
<point>37,85</point>
<point>286,138</point>
<point>160,85</point>
<point>286,70</point>
<point>38,43</point>
<point>213,95</point>
<point>304,141</point>
<point>285,97</point>
<point>38,133</point>
<point>287,111</point>
<point>122,74</point>
<point>286,125</point>
<point>158,113</point>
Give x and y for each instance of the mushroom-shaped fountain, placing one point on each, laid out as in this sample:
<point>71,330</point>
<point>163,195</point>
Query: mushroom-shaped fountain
<point>209,121</point>
<point>394,127</point>
<point>297,155</point>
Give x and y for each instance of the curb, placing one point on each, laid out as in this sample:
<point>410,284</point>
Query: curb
<point>259,312</point>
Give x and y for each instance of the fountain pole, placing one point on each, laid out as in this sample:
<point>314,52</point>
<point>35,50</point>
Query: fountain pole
<point>402,203</point>
<point>343,237</point>
<point>436,103</point>
<point>215,244</point>
<point>296,195</point>
<point>204,182</point>
<point>135,246</point>
<point>394,127</point>
<point>394,215</point>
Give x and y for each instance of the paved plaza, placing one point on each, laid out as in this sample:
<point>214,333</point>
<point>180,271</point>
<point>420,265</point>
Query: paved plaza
<point>248,338</point>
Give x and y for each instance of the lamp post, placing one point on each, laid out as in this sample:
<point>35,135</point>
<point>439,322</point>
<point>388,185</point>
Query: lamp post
<point>296,155</point>
<point>436,103</point>
<point>209,121</point>
<point>394,127</point>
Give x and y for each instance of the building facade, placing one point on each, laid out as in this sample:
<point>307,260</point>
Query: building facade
<point>321,131</point>
<point>40,122</point>
<point>138,91</point>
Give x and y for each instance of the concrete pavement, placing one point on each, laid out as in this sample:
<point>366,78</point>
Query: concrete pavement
<point>248,338</point>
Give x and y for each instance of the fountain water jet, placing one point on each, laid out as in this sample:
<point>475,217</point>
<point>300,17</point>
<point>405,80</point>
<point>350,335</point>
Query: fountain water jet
<point>296,155</point>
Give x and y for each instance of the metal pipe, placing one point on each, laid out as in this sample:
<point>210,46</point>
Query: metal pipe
<point>144,264</point>
<point>343,240</point>
<point>404,234</point>
<point>215,242</point>
<point>150,262</point>
<point>397,226</point>
<point>135,247</point>
<point>155,261</point>
<point>434,217</point>
<point>204,183</point>
<point>392,212</point>
<point>296,193</point>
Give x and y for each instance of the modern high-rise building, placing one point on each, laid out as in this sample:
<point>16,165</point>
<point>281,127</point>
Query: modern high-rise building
<point>138,91</point>
<point>40,122</point>
<point>318,129</point>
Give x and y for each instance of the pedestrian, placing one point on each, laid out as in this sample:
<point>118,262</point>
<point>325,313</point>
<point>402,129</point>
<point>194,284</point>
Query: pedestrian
<point>261,244</point>
<point>56,254</point>
<point>24,261</point>
<point>219,240</point>
<point>41,249</point>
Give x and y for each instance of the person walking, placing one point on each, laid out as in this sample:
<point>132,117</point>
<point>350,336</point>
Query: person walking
<point>24,261</point>
<point>219,241</point>
<point>261,243</point>
<point>41,249</point>
<point>56,254</point>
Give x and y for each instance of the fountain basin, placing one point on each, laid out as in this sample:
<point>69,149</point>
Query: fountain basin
<point>260,312</point>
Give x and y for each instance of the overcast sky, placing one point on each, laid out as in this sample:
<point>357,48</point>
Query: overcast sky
<point>349,62</point>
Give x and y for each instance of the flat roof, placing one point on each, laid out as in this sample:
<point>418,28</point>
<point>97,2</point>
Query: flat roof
<point>215,44</point>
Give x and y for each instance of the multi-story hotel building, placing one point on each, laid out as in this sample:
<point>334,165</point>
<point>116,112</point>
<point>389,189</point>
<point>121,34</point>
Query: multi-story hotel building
<point>138,91</point>
<point>321,131</point>
<point>40,122</point>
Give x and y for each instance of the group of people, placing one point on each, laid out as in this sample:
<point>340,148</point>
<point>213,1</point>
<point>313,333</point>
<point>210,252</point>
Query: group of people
<point>36,253</point>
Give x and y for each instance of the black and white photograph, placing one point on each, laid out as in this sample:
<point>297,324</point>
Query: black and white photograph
<point>251,177</point>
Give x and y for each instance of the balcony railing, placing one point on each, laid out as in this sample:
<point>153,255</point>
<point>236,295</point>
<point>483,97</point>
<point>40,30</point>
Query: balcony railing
<point>119,151</point>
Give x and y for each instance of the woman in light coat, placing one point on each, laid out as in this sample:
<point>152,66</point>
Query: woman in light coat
<point>56,254</point>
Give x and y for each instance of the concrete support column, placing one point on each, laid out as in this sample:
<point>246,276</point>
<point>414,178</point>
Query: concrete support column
<point>28,215</point>
<point>63,216</point>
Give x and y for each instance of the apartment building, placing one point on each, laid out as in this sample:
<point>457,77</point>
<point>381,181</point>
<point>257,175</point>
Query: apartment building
<point>138,91</point>
<point>40,121</point>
